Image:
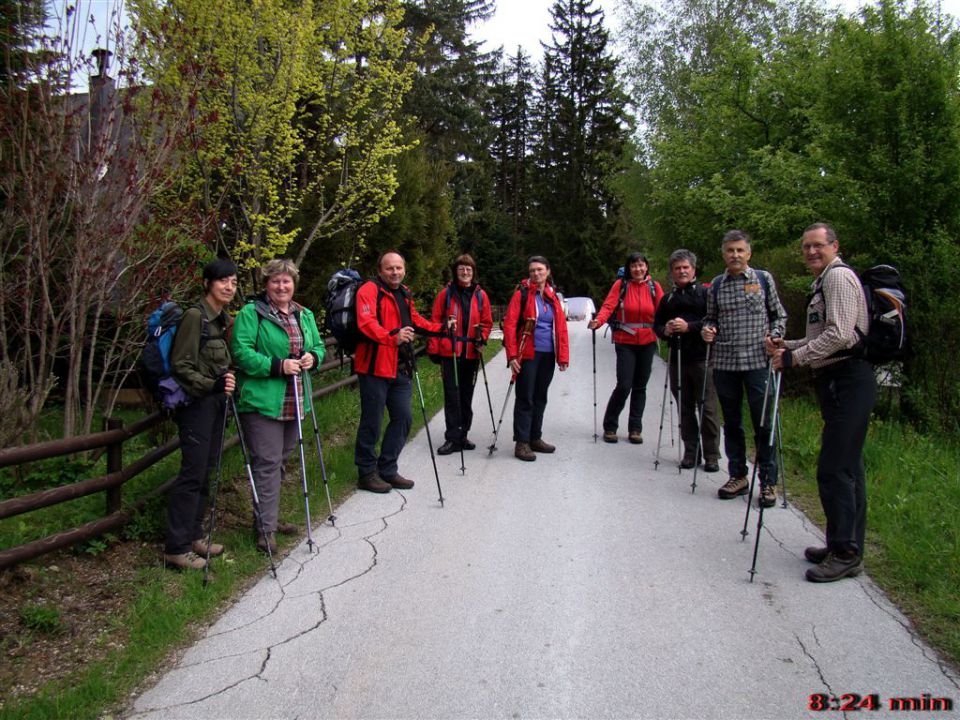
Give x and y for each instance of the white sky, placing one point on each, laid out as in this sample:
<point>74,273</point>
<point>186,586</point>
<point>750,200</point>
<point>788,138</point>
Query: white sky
<point>526,22</point>
<point>516,22</point>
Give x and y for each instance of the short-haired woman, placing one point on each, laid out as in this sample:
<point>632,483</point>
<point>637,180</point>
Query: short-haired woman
<point>274,339</point>
<point>465,303</point>
<point>200,363</point>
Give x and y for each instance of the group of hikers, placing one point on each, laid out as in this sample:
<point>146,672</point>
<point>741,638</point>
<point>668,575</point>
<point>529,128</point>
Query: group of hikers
<point>726,339</point>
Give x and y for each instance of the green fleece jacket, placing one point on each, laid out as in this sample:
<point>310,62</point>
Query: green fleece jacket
<point>198,365</point>
<point>260,344</point>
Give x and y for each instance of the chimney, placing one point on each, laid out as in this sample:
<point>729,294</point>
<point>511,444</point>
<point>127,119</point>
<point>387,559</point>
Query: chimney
<point>102,93</point>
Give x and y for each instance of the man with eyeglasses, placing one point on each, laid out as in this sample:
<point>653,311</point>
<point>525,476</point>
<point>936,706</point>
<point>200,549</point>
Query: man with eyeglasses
<point>837,319</point>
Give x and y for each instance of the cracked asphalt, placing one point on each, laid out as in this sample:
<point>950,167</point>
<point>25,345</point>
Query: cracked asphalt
<point>585,585</point>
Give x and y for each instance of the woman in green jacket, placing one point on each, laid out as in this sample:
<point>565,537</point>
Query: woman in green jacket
<point>274,338</point>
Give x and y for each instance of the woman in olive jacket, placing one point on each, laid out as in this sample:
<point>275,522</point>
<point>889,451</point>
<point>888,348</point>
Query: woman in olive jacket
<point>200,363</point>
<point>274,338</point>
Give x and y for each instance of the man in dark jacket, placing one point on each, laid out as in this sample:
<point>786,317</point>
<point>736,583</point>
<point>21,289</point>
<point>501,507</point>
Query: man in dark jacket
<point>678,320</point>
<point>384,365</point>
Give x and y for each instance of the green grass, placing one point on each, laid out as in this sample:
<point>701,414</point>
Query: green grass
<point>913,502</point>
<point>170,609</point>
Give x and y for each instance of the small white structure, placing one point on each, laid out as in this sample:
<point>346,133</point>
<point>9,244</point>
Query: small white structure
<point>580,308</point>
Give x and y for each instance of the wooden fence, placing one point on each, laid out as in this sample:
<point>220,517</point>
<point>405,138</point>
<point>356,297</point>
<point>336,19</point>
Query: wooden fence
<point>111,439</point>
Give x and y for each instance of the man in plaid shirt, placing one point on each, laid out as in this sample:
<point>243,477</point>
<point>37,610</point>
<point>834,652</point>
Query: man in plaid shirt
<point>743,309</point>
<point>846,388</point>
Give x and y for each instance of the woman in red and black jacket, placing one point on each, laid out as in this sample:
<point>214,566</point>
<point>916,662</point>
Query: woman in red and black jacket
<point>464,303</point>
<point>629,310</point>
<point>535,338</point>
<point>383,362</point>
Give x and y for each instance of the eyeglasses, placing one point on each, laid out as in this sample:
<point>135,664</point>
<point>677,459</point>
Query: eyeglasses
<point>811,247</point>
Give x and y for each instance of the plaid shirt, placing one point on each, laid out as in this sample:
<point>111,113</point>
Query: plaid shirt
<point>837,309</point>
<point>743,314</point>
<point>288,322</point>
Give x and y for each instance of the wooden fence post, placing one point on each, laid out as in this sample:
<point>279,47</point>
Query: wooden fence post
<point>114,464</point>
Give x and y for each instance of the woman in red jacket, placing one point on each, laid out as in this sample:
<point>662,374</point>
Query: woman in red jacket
<point>464,303</point>
<point>535,338</point>
<point>629,310</point>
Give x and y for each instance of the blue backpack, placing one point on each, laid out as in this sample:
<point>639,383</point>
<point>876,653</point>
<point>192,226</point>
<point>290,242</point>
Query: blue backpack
<point>155,360</point>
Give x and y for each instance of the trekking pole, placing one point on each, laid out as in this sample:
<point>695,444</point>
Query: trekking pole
<point>663,410</point>
<point>773,430</point>
<point>756,459</point>
<point>679,405</point>
<point>408,347</point>
<point>483,367</point>
<point>258,516</point>
<point>527,331</point>
<point>303,462</point>
<point>216,492</point>
<point>594,340</point>
<point>703,402</point>
<point>308,383</point>
<point>783,472</point>
<point>456,385</point>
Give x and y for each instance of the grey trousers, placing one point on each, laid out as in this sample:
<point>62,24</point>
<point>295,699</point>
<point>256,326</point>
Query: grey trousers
<point>269,443</point>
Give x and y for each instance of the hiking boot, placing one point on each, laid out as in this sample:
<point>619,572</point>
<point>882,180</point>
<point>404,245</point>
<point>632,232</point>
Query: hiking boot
<point>540,446</point>
<point>835,567</point>
<point>270,542</point>
<point>688,463</point>
<point>448,448</point>
<point>711,466</point>
<point>399,482</point>
<point>285,528</point>
<point>610,436</point>
<point>735,486</point>
<point>467,445</point>
<point>372,482</point>
<point>200,548</point>
<point>768,496</point>
<point>635,437</point>
<point>184,561</point>
<point>523,452</point>
<point>816,555</point>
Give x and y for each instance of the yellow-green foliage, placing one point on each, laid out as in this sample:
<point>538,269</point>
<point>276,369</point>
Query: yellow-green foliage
<point>298,115</point>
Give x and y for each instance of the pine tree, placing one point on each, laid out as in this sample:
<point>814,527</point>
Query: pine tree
<point>581,128</point>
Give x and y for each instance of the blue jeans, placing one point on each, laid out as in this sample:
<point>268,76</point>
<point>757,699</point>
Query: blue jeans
<point>730,385</point>
<point>377,394</point>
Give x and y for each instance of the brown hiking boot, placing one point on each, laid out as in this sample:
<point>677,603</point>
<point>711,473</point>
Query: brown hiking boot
<point>200,548</point>
<point>285,528</point>
<point>735,486</point>
<point>836,567</point>
<point>399,482</point>
<point>768,496</point>
<point>635,437</point>
<point>372,482</point>
<point>271,541</point>
<point>184,561</point>
<point>523,452</point>
<point>816,555</point>
<point>610,436</point>
<point>540,446</point>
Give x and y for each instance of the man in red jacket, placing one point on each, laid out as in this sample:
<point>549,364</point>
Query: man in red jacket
<point>384,365</point>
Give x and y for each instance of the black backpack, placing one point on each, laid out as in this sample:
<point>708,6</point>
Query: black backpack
<point>341,309</point>
<point>886,340</point>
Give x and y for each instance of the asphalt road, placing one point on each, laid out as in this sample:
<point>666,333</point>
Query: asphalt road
<point>584,585</point>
